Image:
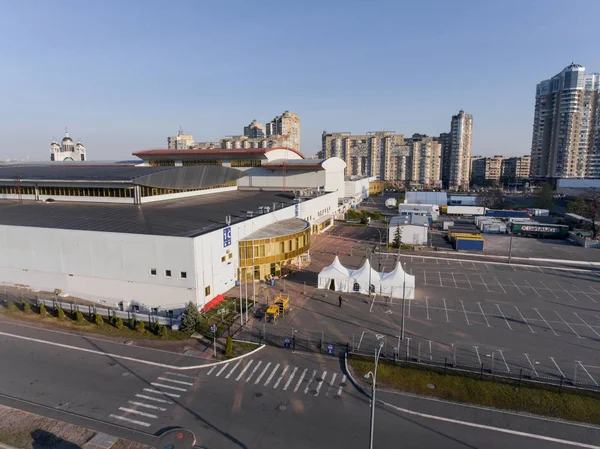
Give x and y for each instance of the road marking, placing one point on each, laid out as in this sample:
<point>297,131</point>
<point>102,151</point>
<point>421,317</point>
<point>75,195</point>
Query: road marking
<point>150,398</point>
<point>430,352</point>
<point>558,368</point>
<point>137,412</point>
<point>232,369</point>
<point>310,381</point>
<point>181,375</point>
<point>172,395</point>
<point>427,306</point>
<point>547,324</point>
<point>281,376</point>
<point>180,382</point>
<point>531,364</point>
<point>300,380</point>
<point>504,360</point>
<point>523,318</point>
<point>211,370</point>
<point>331,384</point>
<point>499,284</point>
<point>440,276</point>
<point>454,279</point>
<point>222,369</point>
<point>518,288</point>
<point>581,291</point>
<point>262,373</point>
<point>243,371</point>
<point>339,392</point>
<point>287,384</point>
<point>361,338</point>
<point>409,303</point>
<point>584,322</point>
<point>549,289</point>
<point>572,330</point>
<point>478,356</point>
<point>133,421</point>
<point>272,374</point>
<point>505,320</point>
<point>156,384</point>
<point>463,307</point>
<point>531,287</point>
<point>486,320</point>
<point>254,370</point>
<point>586,372</point>
<point>425,276</point>
<point>153,407</point>
<point>568,293</point>
<point>481,277</point>
<point>320,383</point>
<point>446,309</point>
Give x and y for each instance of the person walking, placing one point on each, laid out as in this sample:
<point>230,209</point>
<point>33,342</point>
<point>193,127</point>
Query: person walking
<point>340,299</point>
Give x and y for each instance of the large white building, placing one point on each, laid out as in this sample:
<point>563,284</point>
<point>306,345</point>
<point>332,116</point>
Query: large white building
<point>67,150</point>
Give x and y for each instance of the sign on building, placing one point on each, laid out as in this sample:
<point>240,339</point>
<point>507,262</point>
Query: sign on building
<point>226,237</point>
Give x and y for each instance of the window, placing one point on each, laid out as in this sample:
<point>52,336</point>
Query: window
<point>230,255</point>
<point>168,273</point>
<point>153,271</point>
<point>207,291</point>
<point>223,259</point>
<point>183,275</point>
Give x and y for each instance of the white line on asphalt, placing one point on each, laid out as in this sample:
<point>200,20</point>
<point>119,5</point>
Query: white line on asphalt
<point>156,384</point>
<point>430,353</point>
<point>222,369</point>
<point>331,384</point>
<point>320,383</point>
<point>153,407</point>
<point>504,360</point>
<point>460,261</point>
<point>281,376</point>
<point>549,289</point>
<point>584,322</point>
<point>427,306</point>
<point>409,303</point>
<point>558,368</point>
<point>136,412</point>
<point>583,293</point>
<point>440,275</point>
<point>289,381</point>
<point>132,421</point>
<point>469,281</point>
<point>569,326</point>
<point>243,371</point>
<point>505,320</point>
<point>533,288</point>
<point>262,373</point>
<point>272,374</point>
<point>486,320</point>
<point>232,369</point>
<point>463,307</point>
<point>568,293</point>
<point>523,318</point>
<point>478,356</point>
<point>446,309</point>
<point>300,380</point>
<point>211,370</point>
<point>447,261</point>
<point>547,324</point>
<point>518,288</point>
<point>481,277</point>
<point>425,276</point>
<point>150,398</point>
<point>310,381</point>
<point>499,284</point>
<point>339,392</point>
<point>172,395</point>
<point>254,370</point>
<point>180,382</point>
<point>360,341</point>
<point>454,279</point>
<point>594,290</point>
<point>586,372</point>
<point>180,375</point>
<point>531,364</point>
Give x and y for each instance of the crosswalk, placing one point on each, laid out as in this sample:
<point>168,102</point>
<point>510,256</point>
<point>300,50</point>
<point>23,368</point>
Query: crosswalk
<point>274,375</point>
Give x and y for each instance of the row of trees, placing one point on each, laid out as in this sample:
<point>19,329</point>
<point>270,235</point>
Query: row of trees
<point>588,206</point>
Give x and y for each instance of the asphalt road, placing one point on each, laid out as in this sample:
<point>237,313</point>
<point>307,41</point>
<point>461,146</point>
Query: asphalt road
<point>273,398</point>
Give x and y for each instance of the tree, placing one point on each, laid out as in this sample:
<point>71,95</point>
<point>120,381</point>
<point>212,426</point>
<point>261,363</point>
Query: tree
<point>591,209</point>
<point>228,346</point>
<point>43,311</point>
<point>397,237</point>
<point>491,198</point>
<point>543,197</point>
<point>98,319</point>
<point>577,206</point>
<point>191,319</point>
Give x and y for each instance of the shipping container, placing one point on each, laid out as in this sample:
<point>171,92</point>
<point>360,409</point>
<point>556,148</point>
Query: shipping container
<point>539,212</point>
<point>469,244</point>
<point>452,236</point>
<point>465,210</point>
<point>444,209</point>
<point>507,213</point>
<point>540,230</point>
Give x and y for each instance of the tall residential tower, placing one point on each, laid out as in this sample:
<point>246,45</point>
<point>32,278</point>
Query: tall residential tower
<point>456,152</point>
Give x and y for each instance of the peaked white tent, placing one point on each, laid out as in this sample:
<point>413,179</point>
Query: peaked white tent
<point>360,279</point>
<point>337,274</point>
<point>397,284</point>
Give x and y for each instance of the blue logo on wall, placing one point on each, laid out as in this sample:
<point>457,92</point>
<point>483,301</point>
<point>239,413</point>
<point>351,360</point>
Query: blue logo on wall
<point>226,237</point>
<point>296,209</point>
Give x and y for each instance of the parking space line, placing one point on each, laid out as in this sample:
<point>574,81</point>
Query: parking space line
<point>547,324</point>
<point>150,398</point>
<point>281,376</point>
<point>463,307</point>
<point>233,369</point>
<point>505,320</point>
<point>499,284</point>
<point>331,384</point>
<point>454,279</point>
<point>440,276</point>
<point>531,286</point>
<point>568,325</point>
<point>568,293</point>
<point>361,338</point>
<point>409,303</point>
<point>549,289</point>
<point>469,281</point>
<point>222,369</point>
<point>518,288</point>
<point>272,374</point>
<point>504,360</point>
<point>478,356</point>
<point>526,322</point>
<point>584,322</point>
<point>310,381</point>
<point>289,381</point>
<point>430,352</point>
<point>211,370</point>
<point>254,370</point>
<point>558,368</point>
<point>300,380</point>
<point>427,306</point>
<point>446,309</point>
<point>531,364</point>
<point>133,421</point>
<point>425,277</point>
<point>486,320</point>
<point>586,372</point>
<point>582,292</point>
<point>262,373</point>
<point>486,287</point>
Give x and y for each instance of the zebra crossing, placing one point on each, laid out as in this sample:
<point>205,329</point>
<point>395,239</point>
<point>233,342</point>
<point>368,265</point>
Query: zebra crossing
<point>282,376</point>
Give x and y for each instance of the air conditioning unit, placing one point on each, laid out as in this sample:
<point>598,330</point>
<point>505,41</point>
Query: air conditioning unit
<point>249,214</point>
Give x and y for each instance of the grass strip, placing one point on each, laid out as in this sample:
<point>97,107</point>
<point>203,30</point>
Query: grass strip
<point>490,391</point>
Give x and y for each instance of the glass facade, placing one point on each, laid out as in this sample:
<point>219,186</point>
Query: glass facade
<point>152,191</point>
<point>262,258</point>
<point>245,163</point>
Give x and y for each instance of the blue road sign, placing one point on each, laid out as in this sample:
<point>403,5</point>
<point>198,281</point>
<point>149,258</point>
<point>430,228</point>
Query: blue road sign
<point>213,329</point>
<point>329,349</point>
<point>286,343</point>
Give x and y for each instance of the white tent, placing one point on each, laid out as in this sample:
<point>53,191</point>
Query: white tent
<point>360,279</point>
<point>337,274</point>
<point>397,284</point>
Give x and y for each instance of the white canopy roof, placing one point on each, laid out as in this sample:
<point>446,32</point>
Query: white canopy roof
<point>335,271</point>
<point>361,275</point>
<point>392,283</point>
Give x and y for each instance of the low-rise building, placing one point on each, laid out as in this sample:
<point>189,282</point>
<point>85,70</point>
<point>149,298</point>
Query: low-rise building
<point>413,230</point>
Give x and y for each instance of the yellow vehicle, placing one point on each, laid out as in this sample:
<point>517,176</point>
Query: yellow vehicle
<point>279,307</point>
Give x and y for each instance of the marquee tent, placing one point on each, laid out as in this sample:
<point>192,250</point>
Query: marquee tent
<point>397,284</point>
<point>337,274</point>
<point>360,279</point>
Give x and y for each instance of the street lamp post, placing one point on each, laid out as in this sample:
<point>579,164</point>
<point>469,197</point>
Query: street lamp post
<point>373,375</point>
<point>403,299</point>
<point>510,247</point>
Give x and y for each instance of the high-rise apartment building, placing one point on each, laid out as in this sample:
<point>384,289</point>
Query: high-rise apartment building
<point>486,169</point>
<point>424,160</point>
<point>283,130</point>
<point>255,130</point>
<point>456,152</point>
<point>181,141</point>
<point>516,168</point>
<point>566,128</point>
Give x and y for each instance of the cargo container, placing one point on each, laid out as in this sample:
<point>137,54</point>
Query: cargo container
<point>444,209</point>
<point>452,236</point>
<point>469,244</point>
<point>507,213</point>
<point>465,210</point>
<point>539,212</point>
<point>540,230</point>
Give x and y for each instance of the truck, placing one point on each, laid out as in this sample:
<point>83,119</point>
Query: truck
<point>540,230</point>
<point>465,210</point>
<point>507,213</point>
<point>469,244</point>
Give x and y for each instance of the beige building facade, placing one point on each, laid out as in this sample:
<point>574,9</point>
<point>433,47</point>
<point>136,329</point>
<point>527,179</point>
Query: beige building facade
<point>181,141</point>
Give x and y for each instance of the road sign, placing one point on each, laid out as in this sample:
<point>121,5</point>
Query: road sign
<point>226,237</point>
<point>329,349</point>
<point>213,329</point>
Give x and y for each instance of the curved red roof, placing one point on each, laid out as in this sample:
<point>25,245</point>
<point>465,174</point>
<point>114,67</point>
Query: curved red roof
<point>212,151</point>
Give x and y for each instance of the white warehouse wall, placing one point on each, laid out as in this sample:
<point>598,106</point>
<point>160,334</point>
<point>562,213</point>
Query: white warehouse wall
<point>261,178</point>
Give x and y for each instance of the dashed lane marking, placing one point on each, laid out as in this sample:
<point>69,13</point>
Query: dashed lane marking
<point>129,420</point>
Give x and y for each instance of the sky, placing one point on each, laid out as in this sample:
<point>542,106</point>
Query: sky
<point>123,75</point>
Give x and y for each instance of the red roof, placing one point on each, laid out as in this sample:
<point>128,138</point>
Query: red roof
<point>212,151</point>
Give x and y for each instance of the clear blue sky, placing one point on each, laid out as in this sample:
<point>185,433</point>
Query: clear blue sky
<point>124,74</point>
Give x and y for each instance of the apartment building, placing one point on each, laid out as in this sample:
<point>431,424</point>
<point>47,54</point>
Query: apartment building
<point>456,152</point>
<point>255,130</point>
<point>566,126</point>
<point>424,160</point>
<point>516,168</point>
<point>181,141</point>
<point>486,169</point>
<point>283,130</point>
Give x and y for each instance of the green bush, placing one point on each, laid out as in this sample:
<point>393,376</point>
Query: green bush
<point>98,319</point>
<point>133,323</point>
<point>26,307</point>
<point>156,327</point>
<point>78,316</point>
<point>119,323</point>
<point>164,332</point>
<point>60,313</point>
<point>140,326</point>
<point>43,310</point>
<point>113,319</point>
<point>11,306</point>
<point>228,346</point>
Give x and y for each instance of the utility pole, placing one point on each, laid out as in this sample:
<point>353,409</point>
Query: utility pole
<point>403,299</point>
<point>373,375</point>
<point>510,247</point>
